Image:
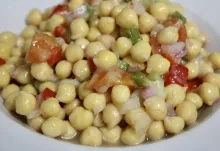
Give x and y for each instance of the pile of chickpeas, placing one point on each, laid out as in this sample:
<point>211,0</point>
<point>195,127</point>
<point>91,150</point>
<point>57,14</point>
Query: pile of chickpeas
<point>79,112</point>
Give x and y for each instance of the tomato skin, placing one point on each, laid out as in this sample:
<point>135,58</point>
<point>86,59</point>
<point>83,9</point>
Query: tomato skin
<point>178,74</point>
<point>55,57</point>
<point>92,66</point>
<point>59,30</point>
<point>195,83</point>
<point>60,9</point>
<point>2,61</point>
<point>47,93</point>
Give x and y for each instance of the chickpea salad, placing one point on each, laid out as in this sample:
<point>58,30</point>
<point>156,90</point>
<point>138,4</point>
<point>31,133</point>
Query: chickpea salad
<point>108,71</point>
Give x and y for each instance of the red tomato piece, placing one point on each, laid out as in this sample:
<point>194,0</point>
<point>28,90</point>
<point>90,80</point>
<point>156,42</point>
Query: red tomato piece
<point>47,93</point>
<point>60,30</point>
<point>92,66</point>
<point>2,61</point>
<point>60,9</point>
<point>194,84</point>
<point>177,75</point>
<point>182,33</point>
<point>44,48</point>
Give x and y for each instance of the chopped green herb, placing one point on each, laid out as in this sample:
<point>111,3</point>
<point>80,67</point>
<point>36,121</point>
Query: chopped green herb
<point>122,65</point>
<point>153,77</point>
<point>178,15</point>
<point>127,1</point>
<point>141,79</point>
<point>90,11</point>
<point>132,33</point>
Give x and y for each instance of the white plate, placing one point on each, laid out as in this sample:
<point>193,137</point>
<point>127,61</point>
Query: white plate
<point>205,136</point>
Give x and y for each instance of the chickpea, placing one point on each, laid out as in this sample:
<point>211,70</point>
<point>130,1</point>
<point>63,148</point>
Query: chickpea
<point>53,127</point>
<point>8,38</point>
<point>187,111</point>
<point>147,23</point>
<point>82,42</point>
<point>54,21</point>
<point>74,4</point>
<point>129,137</point>
<point>133,63</point>
<point>174,125</point>
<point>145,37</point>
<point>141,51</point>
<point>106,40</point>
<point>66,93</point>
<point>61,114</point>
<point>9,68</point>
<point>157,64</point>
<point>175,94</point>
<point>34,17</point>
<point>29,88</point>
<point>98,121</point>
<point>156,108</point>
<point>15,60</point>
<point>120,94</point>
<point>122,46</point>
<point>94,22</point>
<point>111,115</point>
<point>79,28</point>
<point>156,130</point>
<point>203,38</point>
<point>74,53</point>
<point>81,70</point>
<point>105,8</point>
<point>6,91</point>
<point>5,51</point>
<point>193,70</point>
<point>93,34</point>
<point>43,26</point>
<point>117,9</point>
<point>18,52</point>
<point>106,25</point>
<point>71,106</point>
<point>192,30</point>
<point>193,48</point>
<point>194,98</point>
<point>50,85</point>
<point>50,107</point>
<point>214,59</point>
<point>81,118</point>
<point>70,133</point>
<point>10,101</point>
<point>127,18</point>
<point>111,136</point>
<point>5,77</point>
<point>213,78</point>
<point>160,11</point>
<point>36,122</point>
<point>83,91</point>
<point>105,59</point>
<point>204,53</point>
<point>168,35</point>
<point>95,102</point>
<point>25,103</point>
<point>27,45</point>
<point>41,71</point>
<point>93,48</point>
<point>28,32</point>
<point>91,137</point>
<point>63,69</point>
<point>205,68</point>
<point>175,7</point>
<point>209,93</point>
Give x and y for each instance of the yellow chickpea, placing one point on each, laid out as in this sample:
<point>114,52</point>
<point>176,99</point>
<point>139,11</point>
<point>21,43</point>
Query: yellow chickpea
<point>83,90</point>
<point>18,52</point>
<point>194,98</point>
<point>29,88</point>
<point>156,108</point>
<point>205,68</point>
<point>156,130</point>
<point>111,115</point>
<point>122,46</point>
<point>129,137</point>
<point>66,93</point>
<point>105,8</point>
<point>41,71</point>
<point>213,78</point>
<point>93,48</point>
<point>28,32</point>
<point>70,133</point>
<point>174,125</point>
<point>79,28</point>
<point>98,121</point>
<point>214,59</point>
<point>5,77</point>
<point>168,35</point>
<point>53,127</point>
<point>8,38</point>
<point>105,59</point>
<point>175,94</point>
<point>160,11</point>
<point>193,70</point>
<point>93,34</point>
<point>106,40</point>
<point>5,51</point>
<point>71,106</point>
<point>91,137</point>
<point>74,53</point>
<point>111,136</point>
<point>106,25</point>
<point>9,102</point>
<point>74,4</point>
<point>209,93</point>
<point>6,91</point>
<point>82,42</point>
<point>63,69</point>
<point>34,17</point>
<point>120,94</point>
<point>25,103</point>
<point>127,18</point>
<point>50,85</point>
<point>43,26</point>
<point>157,64</point>
<point>145,37</point>
<point>175,7</point>
<point>54,21</point>
<point>95,102</point>
<point>36,122</point>
<point>141,51</point>
<point>27,45</point>
<point>187,110</point>
<point>193,49</point>
<point>22,75</point>
<point>117,9</point>
<point>81,70</point>
<point>192,30</point>
<point>146,23</point>
<point>50,107</point>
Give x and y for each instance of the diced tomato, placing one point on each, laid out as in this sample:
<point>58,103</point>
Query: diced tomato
<point>60,9</point>
<point>2,61</point>
<point>194,84</point>
<point>47,93</point>
<point>177,75</point>
<point>44,48</point>
<point>182,33</point>
<point>60,30</point>
<point>92,66</point>
<point>102,80</point>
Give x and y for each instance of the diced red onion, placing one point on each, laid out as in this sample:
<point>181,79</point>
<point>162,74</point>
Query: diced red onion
<point>170,110</point>
<point>98,109</point>
<point>106,40</point>
<point>156,30</point>
<point>33,114</point>
<point>148,92</point>
<point>142,124</point>
<point>60,40</point>
<point>133,69</point>
<point>131,104</point>
<point>53,78</point>
<point>74,82</point>
<point>39,100</point>
<point>137,7</point>
<point>80,12</point>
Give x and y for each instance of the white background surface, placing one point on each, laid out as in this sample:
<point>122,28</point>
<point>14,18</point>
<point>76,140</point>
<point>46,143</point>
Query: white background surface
<point>204,137</point>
